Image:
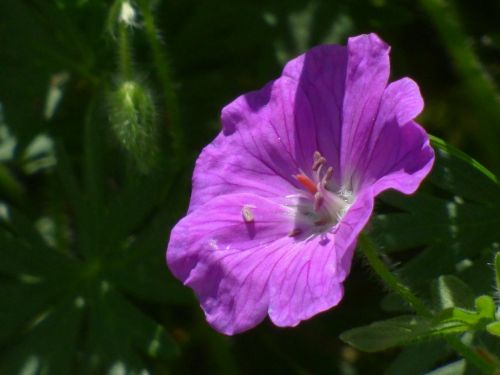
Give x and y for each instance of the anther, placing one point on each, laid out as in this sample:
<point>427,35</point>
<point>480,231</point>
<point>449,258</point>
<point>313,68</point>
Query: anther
<point>317,155</point>
<point>294,232</point>
<point>247,214</point>
<point>319,160</point>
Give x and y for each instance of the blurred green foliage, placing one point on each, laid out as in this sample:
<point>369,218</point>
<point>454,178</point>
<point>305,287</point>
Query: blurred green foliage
<point>101,121</point>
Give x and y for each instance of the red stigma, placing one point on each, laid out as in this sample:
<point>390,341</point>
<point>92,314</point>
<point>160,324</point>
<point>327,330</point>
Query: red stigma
<point>307,183</point>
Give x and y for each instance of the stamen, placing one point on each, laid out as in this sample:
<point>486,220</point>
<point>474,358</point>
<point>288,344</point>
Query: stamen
<point>307,183</point>
<point>328,175</point>
<point>247,214</point>
<point>294,232</point>
<point>319,206</point>
<point>318,161</point>
<point>318,201</point>
<point>321,221</point>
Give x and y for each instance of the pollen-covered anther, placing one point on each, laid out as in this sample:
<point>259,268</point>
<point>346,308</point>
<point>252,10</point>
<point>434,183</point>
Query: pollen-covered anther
<point>319,160</point>
<point>247,214</point>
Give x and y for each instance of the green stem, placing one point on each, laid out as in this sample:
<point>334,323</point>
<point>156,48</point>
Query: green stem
<point>164,74</point>
<point>481,90</point>
<point>371,254</point>
<point>124,53</point>
<point>388,277</point>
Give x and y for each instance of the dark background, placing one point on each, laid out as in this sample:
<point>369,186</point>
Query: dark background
<point>112,221</point>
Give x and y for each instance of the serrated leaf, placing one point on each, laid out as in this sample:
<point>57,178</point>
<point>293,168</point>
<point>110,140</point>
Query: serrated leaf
<point>399,331</point>
<point>494,328</point>
<point>50,345</point>
<point>120,333</point>
<point>19,258</point>
<point>37,281</point>
<point>22,303</point>
<point>450,291</point>
<point>132,199</point>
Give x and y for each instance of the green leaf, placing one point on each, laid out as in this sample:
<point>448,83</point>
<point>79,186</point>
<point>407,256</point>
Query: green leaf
<point>120,333</point>
<point>453,220</point>
<point>454,314</point>
<point>474,320</point>
<point>485,307</point>
<point>494,328</point>
<point>50,344</point>
<point>32,53</point>
<point>399,331</point>
<point>450,291</point>
<point>131,198</point>
<point>455,152</point>
<point>454,368</point>
<point>50,296</point>
<point>418,358</point>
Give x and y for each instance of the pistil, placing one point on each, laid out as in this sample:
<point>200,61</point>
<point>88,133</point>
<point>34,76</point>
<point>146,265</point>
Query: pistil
<point>324,207</point>
<point>307,183</point>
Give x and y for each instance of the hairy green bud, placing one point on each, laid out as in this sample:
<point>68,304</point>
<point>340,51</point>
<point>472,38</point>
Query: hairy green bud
<point>133,119</point>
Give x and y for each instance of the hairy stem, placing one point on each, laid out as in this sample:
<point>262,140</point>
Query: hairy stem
<point>124,53</point>
<point>480,87</point>
<point>162,66</point>
<point>371,254</point>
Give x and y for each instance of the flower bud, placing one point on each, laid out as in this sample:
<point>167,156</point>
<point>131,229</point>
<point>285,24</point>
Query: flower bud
<point>121,14</point>
<point>133,119</point>
<point>127,14</point>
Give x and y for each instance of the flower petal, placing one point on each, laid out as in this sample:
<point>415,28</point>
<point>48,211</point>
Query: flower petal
<point>220,225</point>
<point>242,270</point>
<point>401,100</point>
<point>271,134</point>
<point>309,280</point>
<point>239,248</point>
<point>318,80</point>
<point>227,259</point>
<point>366,78</point>
<point>406,163</point>
<point>398,154</point>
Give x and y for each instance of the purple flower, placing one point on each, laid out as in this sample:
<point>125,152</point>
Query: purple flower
<point>280,196</point>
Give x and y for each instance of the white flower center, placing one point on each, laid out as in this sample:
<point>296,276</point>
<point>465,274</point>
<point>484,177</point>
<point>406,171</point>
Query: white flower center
<point>319,206</point>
